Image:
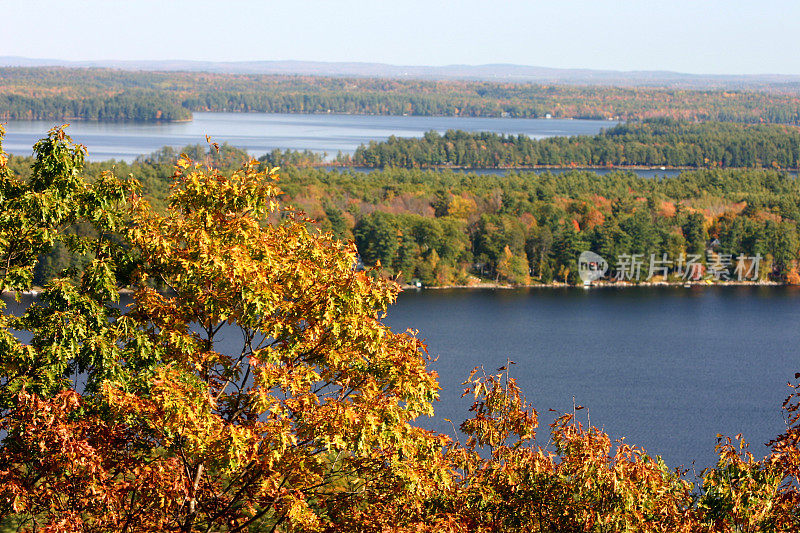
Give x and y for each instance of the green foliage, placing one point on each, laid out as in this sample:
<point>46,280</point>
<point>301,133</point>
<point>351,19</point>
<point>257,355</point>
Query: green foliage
<point>648,143</point>
<point>44,211</point>
<point>72,324</point>
<point>401,217</point>
<point>282,158</point>
<point>547,219</point>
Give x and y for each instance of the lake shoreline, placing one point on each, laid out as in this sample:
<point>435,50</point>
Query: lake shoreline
<point>491,285</point>
<point>609,285</point>
<point>439,168</point>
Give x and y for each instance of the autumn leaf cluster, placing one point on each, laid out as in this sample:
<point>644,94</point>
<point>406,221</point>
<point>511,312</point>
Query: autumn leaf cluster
<point>251,385</point>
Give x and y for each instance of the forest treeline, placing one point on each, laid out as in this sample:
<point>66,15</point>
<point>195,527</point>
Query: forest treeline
<point>653,142</point>
<point>115,106</point>
<point>451,228</point>
<point>106,94</point>
<point>446,228</point>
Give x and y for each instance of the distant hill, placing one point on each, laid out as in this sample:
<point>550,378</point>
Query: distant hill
<point>492,72</point>
<point>114,94</point>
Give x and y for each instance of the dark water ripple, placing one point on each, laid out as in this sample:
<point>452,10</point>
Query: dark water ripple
<point>666,368</point>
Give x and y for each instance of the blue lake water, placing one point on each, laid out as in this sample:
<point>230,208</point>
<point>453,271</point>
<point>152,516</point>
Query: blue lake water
<point>260,133</point>
<point>666,368</point>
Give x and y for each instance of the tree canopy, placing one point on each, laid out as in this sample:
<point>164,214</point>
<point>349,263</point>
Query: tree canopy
<point>139,421</point>
<point>652,142</point>
<point>250,385</point>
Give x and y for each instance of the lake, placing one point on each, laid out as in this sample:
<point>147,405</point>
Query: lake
<point>260,133</point>
<point>667,368</point>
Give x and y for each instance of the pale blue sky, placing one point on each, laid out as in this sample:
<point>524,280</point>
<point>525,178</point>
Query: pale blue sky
<point>713,36</point>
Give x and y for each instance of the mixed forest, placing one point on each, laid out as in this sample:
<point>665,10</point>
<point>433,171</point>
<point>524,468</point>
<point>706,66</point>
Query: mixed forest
<point>649,143</point>
<point>114,95</point>
<point>443,228</point>
<point>138,419</point>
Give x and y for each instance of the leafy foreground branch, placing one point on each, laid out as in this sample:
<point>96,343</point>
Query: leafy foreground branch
<point>148,421</point>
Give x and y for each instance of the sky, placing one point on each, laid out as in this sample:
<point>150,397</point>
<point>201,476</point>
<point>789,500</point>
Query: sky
<point>698,36</point>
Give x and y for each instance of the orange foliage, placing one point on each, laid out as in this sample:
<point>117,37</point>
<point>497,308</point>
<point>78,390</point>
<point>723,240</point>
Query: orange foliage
<point>593,218</point>
<point>667,209</point>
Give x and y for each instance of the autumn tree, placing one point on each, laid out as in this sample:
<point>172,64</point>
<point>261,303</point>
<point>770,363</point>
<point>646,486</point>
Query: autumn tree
<point>513,268</point>
<point>249,384</point>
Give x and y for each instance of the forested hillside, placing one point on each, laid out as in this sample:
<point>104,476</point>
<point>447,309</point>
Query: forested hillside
<point>105,94</point>
<point>446,227</point>
<point>653,142</point>
<point>449,228</point>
